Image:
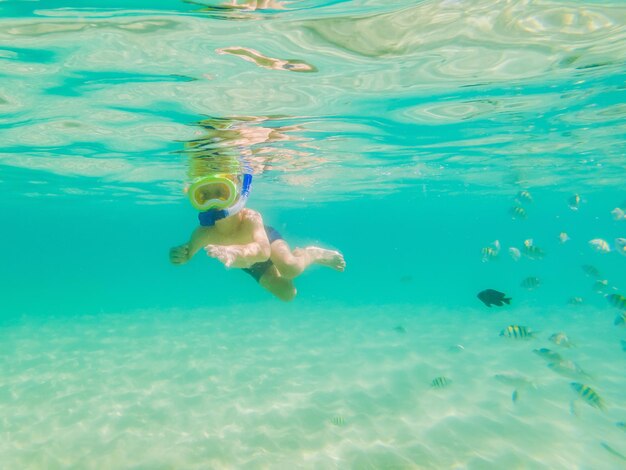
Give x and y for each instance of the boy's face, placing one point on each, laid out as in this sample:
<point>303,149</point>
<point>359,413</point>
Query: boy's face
<point>213,191</point>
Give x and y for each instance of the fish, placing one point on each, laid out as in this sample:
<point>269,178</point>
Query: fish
<point>561,339</point>
<point>338,421</point>
<point>591,271</point>
<point>600,285</point>
<point>516,381</point>
<point>515,253</point>
<point>548,354</point>
<point>440,382</point>
<point>518,212</point>
<point>568,369</point>
<point>492,297</point>
<point>618,214</point>
<point>617,300</point>
<point>530,283</point>
<point>613,451</point>
<point>517,332</point>
<point>563,237</point>
<point>406,279</point>
<point>621,425</point>
<point>574,202</point>
<point>491,252</point>
<point>532,251</point>
<point>623,343</point>
<point>589,395</point>
<point>524,196</point>
<point>575,300</point>
<point>399,329</point>
<point>620,319</point>
<point>620,246</point>
<point>456,348</point>
<point>600,245</point>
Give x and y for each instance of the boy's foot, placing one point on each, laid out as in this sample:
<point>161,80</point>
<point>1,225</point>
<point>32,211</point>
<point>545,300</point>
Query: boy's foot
<point>179,254</point>
<point>330,258</point>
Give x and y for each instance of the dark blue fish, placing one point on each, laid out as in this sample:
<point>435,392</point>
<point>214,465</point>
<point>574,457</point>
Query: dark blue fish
<point>492,297</point>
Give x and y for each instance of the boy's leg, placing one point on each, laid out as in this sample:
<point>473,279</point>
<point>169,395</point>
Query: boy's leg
<point>280,287</point>
<point>291,264</point>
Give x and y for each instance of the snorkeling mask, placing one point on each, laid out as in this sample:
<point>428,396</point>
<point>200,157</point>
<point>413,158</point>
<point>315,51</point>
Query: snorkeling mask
<point>218,196</point>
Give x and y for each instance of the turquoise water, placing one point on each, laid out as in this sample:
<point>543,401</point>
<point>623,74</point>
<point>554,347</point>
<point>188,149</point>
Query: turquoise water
<point>400,133</point>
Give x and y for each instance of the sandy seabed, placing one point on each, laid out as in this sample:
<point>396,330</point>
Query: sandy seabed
<point>309,387</point>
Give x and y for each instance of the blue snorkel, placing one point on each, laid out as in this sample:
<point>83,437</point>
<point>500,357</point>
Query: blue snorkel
<point>208,218</point>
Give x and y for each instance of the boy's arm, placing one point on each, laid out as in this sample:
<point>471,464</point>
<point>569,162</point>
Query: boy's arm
<point>183,253</point>
<point>244,256</point>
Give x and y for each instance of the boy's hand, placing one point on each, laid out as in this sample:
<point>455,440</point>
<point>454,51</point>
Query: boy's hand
<point>179,254</point>
<point>226,254</point>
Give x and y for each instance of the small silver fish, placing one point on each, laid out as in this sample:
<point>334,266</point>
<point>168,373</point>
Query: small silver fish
<point>563,237</point>
<point>531,283</point>
<point>618,214</point>
<point>440,382</point>
<point>600,286</point>
<point>456,348</point>
<point>561,339</point>
<point>575,300</point>
<point>517,332</point>
<point>568,369</point>
<point>515,253</point>
<point>574,202</point>
<point>589,395</point>
<point>600,245</point>
<point>620,246</point>
<point>517,381</point>
<point>548,354</point>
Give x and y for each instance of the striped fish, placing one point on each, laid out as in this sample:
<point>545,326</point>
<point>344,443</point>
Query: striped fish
<point>591,271</point>
<point>600,245</point>
<point>620,319</point>
<point>617,300</point>
<point>573,202</point>
<point>338,421</point>
<point>489,253</point>
<point>518,212</point>
<point>524,196</point>
<point>531,283</point>
<point>517,332</point>
<point>532,251</point>
<point>440,382</point>
<point>589,395</point>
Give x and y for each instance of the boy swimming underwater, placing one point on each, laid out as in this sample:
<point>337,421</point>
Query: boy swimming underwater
<point>237,237</point>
